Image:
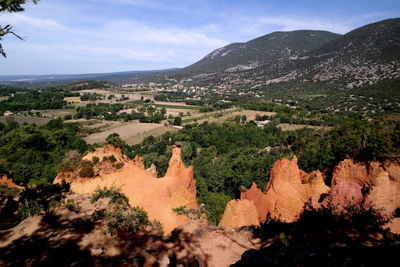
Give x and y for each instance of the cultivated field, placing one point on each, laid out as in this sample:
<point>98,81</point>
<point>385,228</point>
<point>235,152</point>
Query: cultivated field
<point>132,133</point>
<point>292,127</point>
<point>26,119</point>
<point>54,113</point>
<point>228,114</point>
<point>154,132</point>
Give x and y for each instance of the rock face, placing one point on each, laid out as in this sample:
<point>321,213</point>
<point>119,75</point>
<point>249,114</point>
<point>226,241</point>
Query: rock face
<point>380,182</point>
<point>285,194</point>
<point>360,184</point>
<point>4,180</point>
<point>158,196</point>
<point>234,211</point>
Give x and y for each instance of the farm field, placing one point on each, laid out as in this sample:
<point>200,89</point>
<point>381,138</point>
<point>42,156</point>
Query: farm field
<point>132,133</point>
<point>54,113</point>
<point>228,114</point>
<point>292,127</point>
<point>26,119</point>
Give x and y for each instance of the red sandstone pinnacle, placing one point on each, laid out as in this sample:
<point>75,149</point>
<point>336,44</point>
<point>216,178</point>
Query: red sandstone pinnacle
<point>157,196</point>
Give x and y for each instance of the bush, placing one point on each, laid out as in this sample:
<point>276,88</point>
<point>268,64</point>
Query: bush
<point>120,216</point>
<point>119,165</point>
<point>200,213</point>
<point>177,121</point>
<point>29,208</point>
<point>71,161</point>
<point>110,158</point>
<point>67,117</point>
<point>115,140</point>
<point>86,169</point>
<point>126,220</point>
<point>95,160</point>
<point>115,195</point>
<point>351,238</point>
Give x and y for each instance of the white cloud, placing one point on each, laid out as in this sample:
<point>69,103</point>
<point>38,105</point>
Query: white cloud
<point>24,21</point>
<point>138,33</point>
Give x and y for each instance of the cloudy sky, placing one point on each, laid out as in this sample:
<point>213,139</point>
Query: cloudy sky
<point>90,36</point>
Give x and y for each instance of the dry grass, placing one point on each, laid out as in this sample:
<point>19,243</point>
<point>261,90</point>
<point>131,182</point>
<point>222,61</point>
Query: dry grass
<point>53,113</point>
<point>154,132</point>
<point>73,99</point>
<point>251,115</point>
<point>292,127</point>
<point>28,119</point>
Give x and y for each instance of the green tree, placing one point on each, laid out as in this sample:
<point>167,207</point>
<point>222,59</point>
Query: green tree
<point>10,6</point>
<point>244,118</point>
<point>177,121</point>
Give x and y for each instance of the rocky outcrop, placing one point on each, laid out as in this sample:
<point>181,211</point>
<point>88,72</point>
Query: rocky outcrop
<point>5,181</point>
<point>285,194</point>
<point>341,195</point>
<point>379,181</point>
<point>158,196</point>
<point>359,184</point>
<point>239,213</point>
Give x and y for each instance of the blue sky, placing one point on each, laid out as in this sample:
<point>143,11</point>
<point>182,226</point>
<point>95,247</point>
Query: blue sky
<point>89,36</point>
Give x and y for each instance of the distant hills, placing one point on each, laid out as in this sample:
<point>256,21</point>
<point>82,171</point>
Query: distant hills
<point>268,49</point>
<point>45,80</point>
<point>363,56</point>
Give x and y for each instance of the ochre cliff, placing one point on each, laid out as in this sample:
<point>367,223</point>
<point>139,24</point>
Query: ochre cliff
<point>378,182</point>
<point>158,196</point>
<point>285,194</point>
<point>360,184</point>
<point>4,180</point>
<point>234,211</point>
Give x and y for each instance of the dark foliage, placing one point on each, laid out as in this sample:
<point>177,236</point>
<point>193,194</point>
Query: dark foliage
<point>325,238</point>
<point>32,154</point>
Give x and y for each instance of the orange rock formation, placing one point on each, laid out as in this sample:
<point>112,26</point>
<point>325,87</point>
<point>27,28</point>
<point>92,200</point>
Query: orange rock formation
<point>4,180</point>
<point>380,181</point>
<point>285,194</point>
<point>234,211</point>
<point>360,184</point>
<point>158,196</point>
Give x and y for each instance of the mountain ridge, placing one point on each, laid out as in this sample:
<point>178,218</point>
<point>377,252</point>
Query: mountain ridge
<point>364,55</point>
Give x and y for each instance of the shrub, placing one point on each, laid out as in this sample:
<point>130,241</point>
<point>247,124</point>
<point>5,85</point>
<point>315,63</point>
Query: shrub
<point>71,161</point>
<point>115,195</point>
<point>115,140</point>
<point>110,158</point>
<point>95,160</point>
<point>67,117</point>
<point>86,169</point>
<point>119,165</point>
<point>177,121</point>
<point>120,216</point>
<point>126,220</point>
<point>191,213</point>
<point>29,208</point>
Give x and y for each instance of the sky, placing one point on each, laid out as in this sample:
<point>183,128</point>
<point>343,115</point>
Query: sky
<point>96,36</point>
